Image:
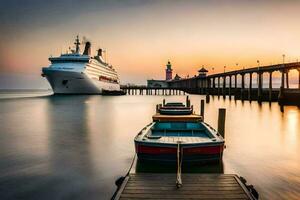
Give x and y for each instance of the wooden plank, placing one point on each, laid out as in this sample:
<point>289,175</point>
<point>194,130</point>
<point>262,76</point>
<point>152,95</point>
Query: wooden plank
<point>185,184</point>
<point>196,179</point>
<point>132,198</point>
<point>162,175</point>
<point>178,191</point>
<point>195,186</point>
<point>183,196</point>
<point>186,188</point>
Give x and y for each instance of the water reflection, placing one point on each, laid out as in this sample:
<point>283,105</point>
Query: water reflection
<point>75,147</point>
<point>68,138</point>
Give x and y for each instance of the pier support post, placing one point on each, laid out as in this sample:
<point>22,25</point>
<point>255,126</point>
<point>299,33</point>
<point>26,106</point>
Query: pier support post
<point>188,102</point>
<point>207,97</point>
<point>270,86</point>
<point>214,84</point>
<point>221,121</point>
<point>230,83</point>
<point>282,79</point>
<point>208,86</point>
<point>259,95</point>
<point>235,85</point>
<point>287,79</point>
<point>202,109</point>
<point>250,87</point>
<point>235,81</point>
<point>281,91</point>
<point>218,86</point>
<point>298,78</point>
<point>224,86</point>
<point>243,86</point>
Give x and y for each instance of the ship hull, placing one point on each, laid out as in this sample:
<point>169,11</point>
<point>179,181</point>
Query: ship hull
<point>69,82</point>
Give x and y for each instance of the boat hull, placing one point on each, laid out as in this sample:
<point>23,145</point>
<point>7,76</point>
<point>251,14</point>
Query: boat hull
<point>69,82</point>
<point>191,153</point>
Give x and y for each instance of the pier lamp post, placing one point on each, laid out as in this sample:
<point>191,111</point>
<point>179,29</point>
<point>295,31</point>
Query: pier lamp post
<point>224,68</point>
<point>283,56</point>
<point>258,67</point>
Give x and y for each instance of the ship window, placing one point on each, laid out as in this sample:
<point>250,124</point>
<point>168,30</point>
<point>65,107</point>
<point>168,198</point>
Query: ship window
<point>64,82</point>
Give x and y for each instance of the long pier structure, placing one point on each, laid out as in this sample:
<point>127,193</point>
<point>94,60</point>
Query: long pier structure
<point>212,85</point>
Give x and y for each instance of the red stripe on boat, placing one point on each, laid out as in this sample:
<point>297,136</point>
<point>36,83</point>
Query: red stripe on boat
<point>186,150</point>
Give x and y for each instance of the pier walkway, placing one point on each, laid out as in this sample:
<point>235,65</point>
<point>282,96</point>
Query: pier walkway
<point>195,186</point>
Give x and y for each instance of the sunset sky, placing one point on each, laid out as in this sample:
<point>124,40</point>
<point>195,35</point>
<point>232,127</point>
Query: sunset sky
<point>140,36</point>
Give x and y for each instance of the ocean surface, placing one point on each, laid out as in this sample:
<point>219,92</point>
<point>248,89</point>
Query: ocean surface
<point>75,147</point>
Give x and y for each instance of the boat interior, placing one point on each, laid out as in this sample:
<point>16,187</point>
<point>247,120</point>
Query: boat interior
<point>180,129</point>
<point>175,104</point>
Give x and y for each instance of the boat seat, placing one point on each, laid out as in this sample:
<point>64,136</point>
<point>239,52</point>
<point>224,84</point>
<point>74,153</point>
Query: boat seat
<point>181,133</point>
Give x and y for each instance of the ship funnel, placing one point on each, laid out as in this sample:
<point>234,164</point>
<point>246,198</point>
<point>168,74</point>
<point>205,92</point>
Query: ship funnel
<point>99,53</point>
<point>87,49</point>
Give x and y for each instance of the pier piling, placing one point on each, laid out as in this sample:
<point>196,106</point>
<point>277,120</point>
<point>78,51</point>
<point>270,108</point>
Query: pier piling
<point>202,109</point>
<point>221,122</point>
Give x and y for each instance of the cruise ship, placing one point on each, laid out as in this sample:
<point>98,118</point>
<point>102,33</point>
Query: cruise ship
<point>76,73</point>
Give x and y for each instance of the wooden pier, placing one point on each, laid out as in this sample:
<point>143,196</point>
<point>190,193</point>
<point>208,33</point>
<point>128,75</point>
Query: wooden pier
<point>195,186</point>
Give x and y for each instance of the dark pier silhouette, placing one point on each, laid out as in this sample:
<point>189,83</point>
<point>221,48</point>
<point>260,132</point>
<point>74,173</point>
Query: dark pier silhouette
<point>226,84</point>
<point>144,90</point>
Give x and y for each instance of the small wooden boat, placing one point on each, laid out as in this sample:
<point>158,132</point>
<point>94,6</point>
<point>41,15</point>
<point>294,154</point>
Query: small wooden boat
<point>175,128</point>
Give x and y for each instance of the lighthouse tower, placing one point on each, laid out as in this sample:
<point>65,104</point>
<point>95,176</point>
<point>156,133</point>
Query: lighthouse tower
<point>169,71</point>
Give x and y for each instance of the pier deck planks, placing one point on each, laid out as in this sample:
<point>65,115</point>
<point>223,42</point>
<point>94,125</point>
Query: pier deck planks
<point>195,186</point>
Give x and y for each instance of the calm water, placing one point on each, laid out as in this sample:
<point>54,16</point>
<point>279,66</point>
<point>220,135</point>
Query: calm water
<point>75,147</point>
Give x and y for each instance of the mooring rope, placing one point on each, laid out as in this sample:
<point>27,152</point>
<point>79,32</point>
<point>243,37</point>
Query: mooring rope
<point>179,163</point>
<point>132,162</point>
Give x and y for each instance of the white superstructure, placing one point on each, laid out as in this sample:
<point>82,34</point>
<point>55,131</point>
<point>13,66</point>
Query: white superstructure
<point>75,73</point>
